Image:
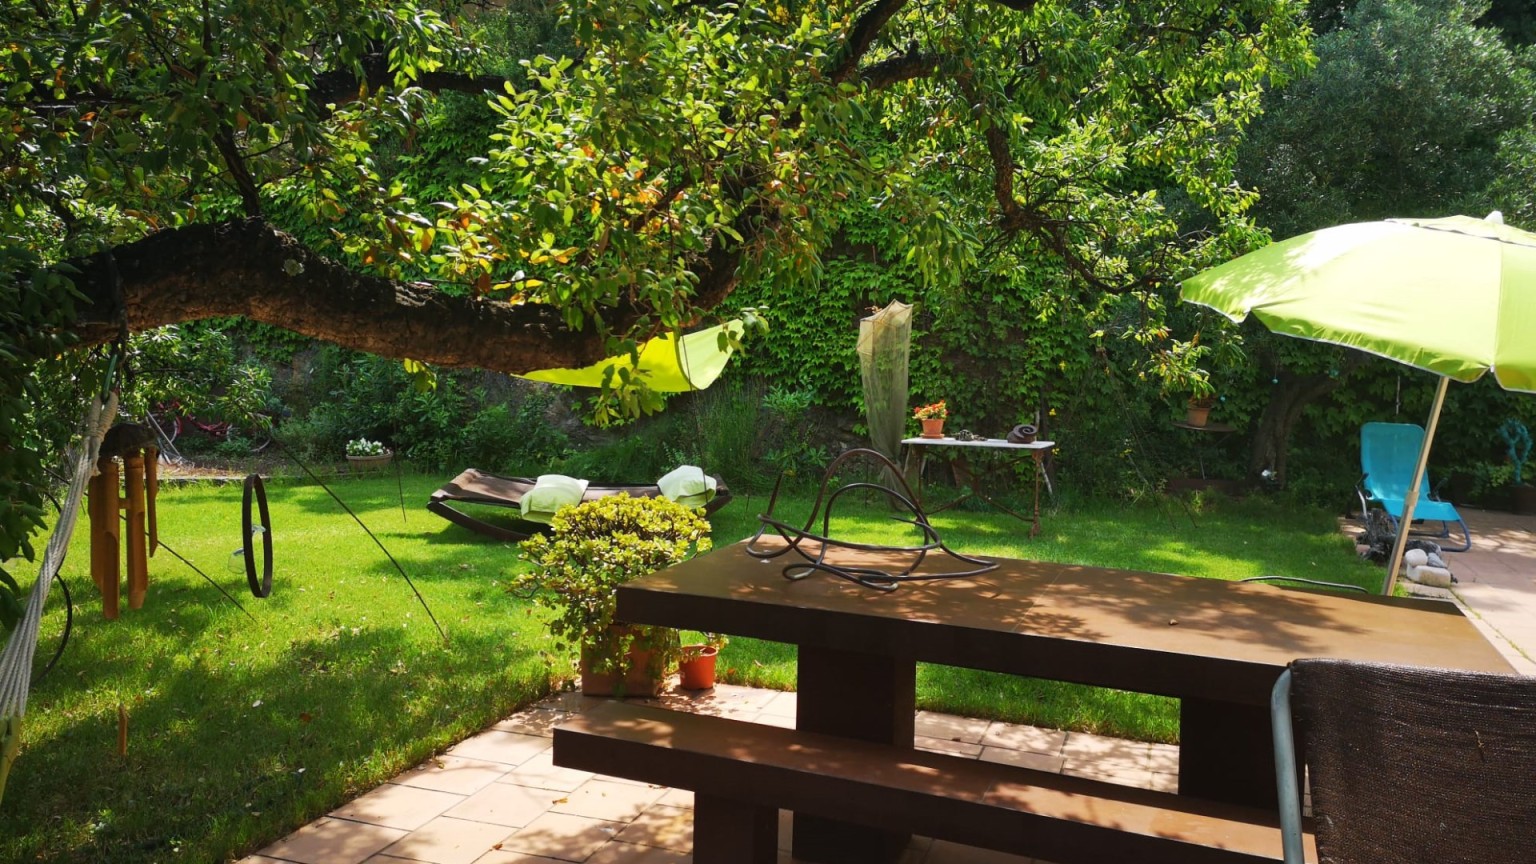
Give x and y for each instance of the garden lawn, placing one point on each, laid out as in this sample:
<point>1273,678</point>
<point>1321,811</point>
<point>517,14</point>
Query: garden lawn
<point>239,730</point>
<point>1225,540</point>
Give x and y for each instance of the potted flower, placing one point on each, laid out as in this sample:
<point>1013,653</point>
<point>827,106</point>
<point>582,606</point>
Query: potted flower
<point>932,417</point>
<point>591,550</point>
<point>1202,397</point>
<point>363,453</point>
<point>696,668</point>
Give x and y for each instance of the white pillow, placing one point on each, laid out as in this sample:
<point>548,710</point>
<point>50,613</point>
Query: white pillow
<point>688,485</point>
<point>550,493</point>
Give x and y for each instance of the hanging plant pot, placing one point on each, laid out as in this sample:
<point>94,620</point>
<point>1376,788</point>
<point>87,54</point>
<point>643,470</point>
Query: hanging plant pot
<point>933,428</point>
<point>696,671</point>
<point>370,463</point>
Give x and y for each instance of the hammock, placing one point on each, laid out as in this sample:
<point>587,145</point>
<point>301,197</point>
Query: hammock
<point>16,659</point>
<point>474,486</point>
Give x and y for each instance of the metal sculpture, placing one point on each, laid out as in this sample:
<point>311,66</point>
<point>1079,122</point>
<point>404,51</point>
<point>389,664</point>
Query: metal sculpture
<point>796,539</point>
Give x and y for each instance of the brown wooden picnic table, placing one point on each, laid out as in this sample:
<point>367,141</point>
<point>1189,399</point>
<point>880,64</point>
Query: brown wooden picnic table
<point>1216,646</point>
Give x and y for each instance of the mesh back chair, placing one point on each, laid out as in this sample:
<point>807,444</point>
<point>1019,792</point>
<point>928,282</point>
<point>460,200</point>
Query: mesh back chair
<point>1388,454</point>
<point>1407,764</point>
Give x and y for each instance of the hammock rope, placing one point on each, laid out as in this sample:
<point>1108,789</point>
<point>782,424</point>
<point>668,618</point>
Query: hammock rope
<point>16,658</point>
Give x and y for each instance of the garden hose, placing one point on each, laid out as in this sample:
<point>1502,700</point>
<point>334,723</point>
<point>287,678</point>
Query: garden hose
<point>259,588</point>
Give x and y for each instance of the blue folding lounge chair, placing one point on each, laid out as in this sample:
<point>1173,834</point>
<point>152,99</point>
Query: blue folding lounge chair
<point>1388,453</point>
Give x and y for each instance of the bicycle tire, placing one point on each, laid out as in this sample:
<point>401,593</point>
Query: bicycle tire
<point>255,488</point>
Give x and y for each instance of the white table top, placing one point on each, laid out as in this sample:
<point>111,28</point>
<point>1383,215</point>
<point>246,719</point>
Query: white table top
<point>995,443</point>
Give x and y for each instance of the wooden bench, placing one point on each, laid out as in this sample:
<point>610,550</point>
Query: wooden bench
<point>743,773</point>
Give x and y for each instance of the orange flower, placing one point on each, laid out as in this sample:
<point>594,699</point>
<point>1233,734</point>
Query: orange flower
<point>936,411</point>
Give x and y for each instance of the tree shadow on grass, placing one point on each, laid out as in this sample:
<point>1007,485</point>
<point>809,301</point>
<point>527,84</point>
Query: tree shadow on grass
<point>223,758</point>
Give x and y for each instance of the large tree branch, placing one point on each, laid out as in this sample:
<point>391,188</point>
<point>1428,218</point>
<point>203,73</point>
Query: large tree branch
<point>339,86</point>
<point>861,36</point>
<point>249,268</point>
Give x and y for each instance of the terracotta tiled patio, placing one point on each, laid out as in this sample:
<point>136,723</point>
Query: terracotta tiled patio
<point>497,798</point>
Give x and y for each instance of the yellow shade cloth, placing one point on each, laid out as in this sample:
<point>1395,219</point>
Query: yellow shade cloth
<point>665,366</point>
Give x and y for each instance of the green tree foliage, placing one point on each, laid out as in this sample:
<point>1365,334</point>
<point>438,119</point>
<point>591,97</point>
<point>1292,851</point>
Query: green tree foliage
<point>653,159</point>
<point>1404,115</point>
<point>1414,109</point>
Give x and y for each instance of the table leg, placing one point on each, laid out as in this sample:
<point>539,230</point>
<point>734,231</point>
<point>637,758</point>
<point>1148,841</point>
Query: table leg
<point>1034,530</point>
<point>855,695</point>
<point>1226,753</point>
<point>913,469</point>
<point>730,832</point>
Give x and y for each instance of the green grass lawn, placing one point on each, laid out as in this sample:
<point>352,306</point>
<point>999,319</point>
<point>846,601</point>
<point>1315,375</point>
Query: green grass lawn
<point>242,729</point>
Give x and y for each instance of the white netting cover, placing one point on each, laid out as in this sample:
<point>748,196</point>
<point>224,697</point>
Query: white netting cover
<point>885,340</point>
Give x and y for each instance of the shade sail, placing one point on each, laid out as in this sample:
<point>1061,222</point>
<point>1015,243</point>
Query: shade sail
<point>666,365</point>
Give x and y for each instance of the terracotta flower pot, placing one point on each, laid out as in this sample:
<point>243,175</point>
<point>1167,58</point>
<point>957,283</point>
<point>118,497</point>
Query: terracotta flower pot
<point>640,671</point>
<point>933,428</point>
<point>697,669</point>
<point>1197,414</point>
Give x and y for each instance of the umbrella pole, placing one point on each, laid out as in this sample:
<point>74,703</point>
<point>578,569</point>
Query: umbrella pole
<point>1400,545</point>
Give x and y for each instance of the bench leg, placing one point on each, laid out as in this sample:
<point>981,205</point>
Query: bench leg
<point>1226,753</point>
<point>730,832</point>
<point>864,696</point>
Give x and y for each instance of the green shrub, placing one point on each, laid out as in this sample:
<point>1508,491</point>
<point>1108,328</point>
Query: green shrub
<point>515,439</point>
<point>592,549</point>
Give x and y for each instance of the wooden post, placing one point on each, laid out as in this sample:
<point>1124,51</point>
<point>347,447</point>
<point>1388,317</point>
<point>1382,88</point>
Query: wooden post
<point>111,537</point>
<point>151,491</point>
<point>138,555</point>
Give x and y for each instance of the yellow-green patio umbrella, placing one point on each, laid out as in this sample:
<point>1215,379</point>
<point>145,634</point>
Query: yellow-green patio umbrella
<point>1453,296</point>
<point>667,364</point>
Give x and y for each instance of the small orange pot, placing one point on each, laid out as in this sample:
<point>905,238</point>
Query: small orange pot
<point>696,671</point>
<point>933,428</point>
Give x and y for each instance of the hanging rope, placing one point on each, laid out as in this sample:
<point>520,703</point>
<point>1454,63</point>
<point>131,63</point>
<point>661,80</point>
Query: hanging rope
<point>16,658</point>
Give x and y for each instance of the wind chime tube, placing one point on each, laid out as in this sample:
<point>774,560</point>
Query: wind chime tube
<point>138,552</point>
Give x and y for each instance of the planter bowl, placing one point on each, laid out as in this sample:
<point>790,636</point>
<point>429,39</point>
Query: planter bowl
<point>370,463</point>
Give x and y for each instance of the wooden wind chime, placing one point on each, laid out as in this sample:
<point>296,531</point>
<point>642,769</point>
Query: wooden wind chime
<point>132,489</point>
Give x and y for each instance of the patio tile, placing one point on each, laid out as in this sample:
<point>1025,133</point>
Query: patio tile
<point>677,798</point>
<point>260,859</point>
<point>1017,737</point>
<point>783,704</point>
<point>1023,759</point>
<point>396,806</point>
<point>667,827</point>
<point>1163,758</point>
<point>601,798</point>
<point>534,721</point>
<point>625,853</point>
<point>967,729</point>
<point>778,720</point>
<point>944,745</point>
<point>453,774</point>
<point>1108,754</point>
<point>542,772</point>
<point>445,840</point>
<point>562,836</point>
<point>333,841</point>
<point>502,856</point>
<point>494,745</point>
<point>505,804</point>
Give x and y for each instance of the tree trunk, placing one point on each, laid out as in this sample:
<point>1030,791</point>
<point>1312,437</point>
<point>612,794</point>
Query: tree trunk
<point>1293,393</point>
